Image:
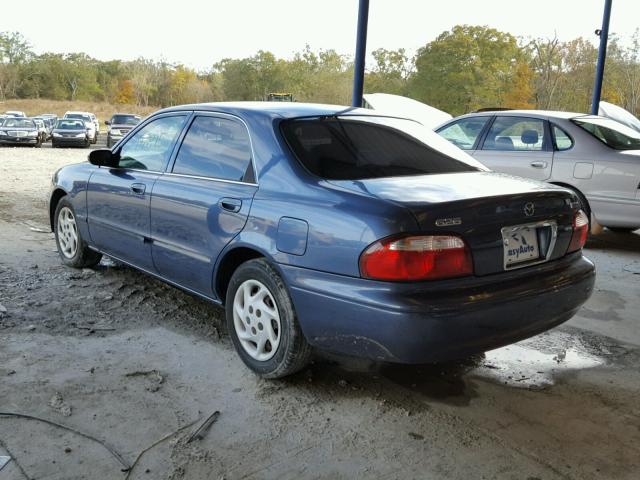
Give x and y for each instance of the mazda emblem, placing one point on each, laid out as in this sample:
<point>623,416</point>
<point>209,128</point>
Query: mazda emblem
<point>529,209</point>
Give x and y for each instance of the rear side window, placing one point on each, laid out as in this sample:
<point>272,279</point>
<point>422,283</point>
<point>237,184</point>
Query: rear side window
<point>353,148</point>
<point>464,133</point>
<point>562,138</point>
<point>515,133</point>
<point>215,147</point>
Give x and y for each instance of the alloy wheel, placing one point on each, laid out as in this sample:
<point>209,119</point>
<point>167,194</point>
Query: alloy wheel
<point>67,232</point>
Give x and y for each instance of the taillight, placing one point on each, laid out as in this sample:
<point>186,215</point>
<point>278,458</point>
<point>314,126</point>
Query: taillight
<point>426,257</point>
<point>580,231</point>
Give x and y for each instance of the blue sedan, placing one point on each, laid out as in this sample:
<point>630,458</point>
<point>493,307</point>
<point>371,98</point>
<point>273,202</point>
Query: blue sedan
<point>328,227</point>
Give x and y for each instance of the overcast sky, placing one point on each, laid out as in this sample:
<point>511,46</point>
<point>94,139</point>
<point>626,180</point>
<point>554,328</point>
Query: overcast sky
<point>200,33</point>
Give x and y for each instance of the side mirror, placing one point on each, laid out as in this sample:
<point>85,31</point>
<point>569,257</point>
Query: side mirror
<point>107,122</point>
<point>103,157</point>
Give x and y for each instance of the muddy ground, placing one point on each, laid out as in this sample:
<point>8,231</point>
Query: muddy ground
<point>128,360</point>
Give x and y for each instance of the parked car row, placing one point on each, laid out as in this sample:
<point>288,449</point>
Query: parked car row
<point>73,129</point>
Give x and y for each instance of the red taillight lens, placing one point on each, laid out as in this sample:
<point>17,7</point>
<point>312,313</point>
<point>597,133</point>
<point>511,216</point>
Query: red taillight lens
<point>427,257</point>
<point>580,231</point>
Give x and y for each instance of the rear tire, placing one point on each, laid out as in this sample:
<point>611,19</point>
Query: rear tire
<point>262,322</point>
<point>73,250</point>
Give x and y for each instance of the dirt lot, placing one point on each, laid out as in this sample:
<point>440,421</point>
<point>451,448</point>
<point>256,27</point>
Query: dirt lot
<point>128,360</point>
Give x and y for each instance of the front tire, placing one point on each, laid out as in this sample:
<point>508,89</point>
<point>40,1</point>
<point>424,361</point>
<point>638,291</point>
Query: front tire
<point>262,322</point>
<point>73,250</point>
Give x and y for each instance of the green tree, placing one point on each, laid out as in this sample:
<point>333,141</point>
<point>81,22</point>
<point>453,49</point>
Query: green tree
<point>466,68</point>
<point>390,73</point>
<point>14,52</point>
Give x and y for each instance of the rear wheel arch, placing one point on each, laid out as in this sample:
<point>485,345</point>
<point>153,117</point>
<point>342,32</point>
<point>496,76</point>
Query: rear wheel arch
<point>57,194</point>
<point>229,264</point>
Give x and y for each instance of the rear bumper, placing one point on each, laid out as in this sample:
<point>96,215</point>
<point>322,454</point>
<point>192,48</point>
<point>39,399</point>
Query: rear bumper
<point>436,321</point>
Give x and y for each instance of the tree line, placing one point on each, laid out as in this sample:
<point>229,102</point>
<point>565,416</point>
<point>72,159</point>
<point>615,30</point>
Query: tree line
<point>463,69</point>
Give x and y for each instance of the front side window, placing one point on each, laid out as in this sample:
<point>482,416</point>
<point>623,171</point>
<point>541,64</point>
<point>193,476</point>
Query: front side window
<point>515,134</point>
<point>215,147</point>
<point>360,147</point>
<point>464,133</point>
<point>150,147</point>
<point>610,132</point>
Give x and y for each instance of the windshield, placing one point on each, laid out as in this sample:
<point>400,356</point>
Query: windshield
<point>610,132</point>
<point>70,125</point>
<point>359,147</point>
<point>125,120</point>
<point>86,118</point>
<point>18,123</point>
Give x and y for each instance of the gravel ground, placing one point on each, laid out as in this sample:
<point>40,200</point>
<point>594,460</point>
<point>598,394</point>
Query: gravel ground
<point>129,360</point>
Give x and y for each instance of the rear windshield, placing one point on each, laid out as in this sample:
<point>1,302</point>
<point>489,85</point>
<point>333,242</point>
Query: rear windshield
<point>125,120</point>
<point>359,147</point>
<point>610,132</point>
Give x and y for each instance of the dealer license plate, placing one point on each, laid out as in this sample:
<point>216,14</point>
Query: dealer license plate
<point>520,244</point>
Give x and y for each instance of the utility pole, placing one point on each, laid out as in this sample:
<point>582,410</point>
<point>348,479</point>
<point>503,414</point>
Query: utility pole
<point>603,33</point>
<point>361,52</point>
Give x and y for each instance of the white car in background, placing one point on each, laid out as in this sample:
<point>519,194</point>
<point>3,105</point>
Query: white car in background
<point>90,120</point>
<point>596,157</point>
<point>15,113</point>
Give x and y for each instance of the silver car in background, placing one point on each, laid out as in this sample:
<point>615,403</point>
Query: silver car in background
<point>596,157</point>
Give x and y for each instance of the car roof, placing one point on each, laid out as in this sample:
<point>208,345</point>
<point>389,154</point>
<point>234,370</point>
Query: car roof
<point>274,109</point>
<point>526,113</point>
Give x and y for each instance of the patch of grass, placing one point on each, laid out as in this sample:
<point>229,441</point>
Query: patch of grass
<point>104,111</point>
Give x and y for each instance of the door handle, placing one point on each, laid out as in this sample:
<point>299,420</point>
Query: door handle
<point>538,164</point>
<point>230,204</point>
<point>138,188</point>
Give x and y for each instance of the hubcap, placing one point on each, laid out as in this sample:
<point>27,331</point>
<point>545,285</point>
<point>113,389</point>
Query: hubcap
<point>67,233</point>
<point>256,320</point>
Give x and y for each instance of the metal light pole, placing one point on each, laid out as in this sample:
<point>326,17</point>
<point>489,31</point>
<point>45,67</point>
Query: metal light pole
<point>361,51</point>
<point>602,54</point>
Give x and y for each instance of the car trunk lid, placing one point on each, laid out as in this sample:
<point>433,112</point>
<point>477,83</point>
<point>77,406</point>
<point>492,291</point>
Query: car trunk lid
<point>484,208</point>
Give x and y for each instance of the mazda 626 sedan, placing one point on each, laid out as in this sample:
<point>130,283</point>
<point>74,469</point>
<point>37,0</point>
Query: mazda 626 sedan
<point>328,227</point>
